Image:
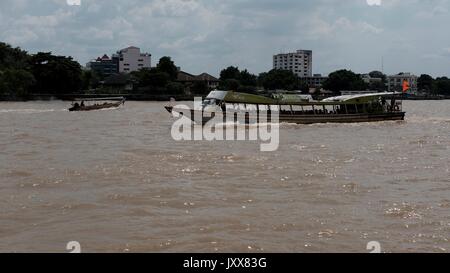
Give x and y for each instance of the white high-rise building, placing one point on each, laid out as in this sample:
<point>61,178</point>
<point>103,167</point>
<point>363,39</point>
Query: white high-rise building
<point>300,62</point>
<point>131,59</point>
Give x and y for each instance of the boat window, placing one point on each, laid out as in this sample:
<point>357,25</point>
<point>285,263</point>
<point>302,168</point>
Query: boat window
<point>308,109</point>
<point>274,107</point>
<point>297,108</point>
<point>208,102</point>
<point>263,108</point>
<point>241,107</point>
<point>251,107</point>
<point>285,108</point>
<point>233,106</point>
<point>337,109</point>
<point>329,109</point>
<point>352,108</point>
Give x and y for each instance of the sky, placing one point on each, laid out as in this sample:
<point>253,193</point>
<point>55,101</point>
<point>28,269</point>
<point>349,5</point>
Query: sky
<point>209,35</point>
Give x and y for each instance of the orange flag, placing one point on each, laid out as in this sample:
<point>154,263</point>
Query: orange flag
<point>406,86</point>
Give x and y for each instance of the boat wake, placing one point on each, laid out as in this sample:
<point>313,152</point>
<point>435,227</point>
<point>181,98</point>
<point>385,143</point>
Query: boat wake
<point>111,109</point>
<point>418,119</point>
<point>341,125</point>
<point>29,111</point>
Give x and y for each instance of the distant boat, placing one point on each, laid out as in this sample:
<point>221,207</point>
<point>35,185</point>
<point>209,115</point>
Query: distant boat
<point>298,109</point>
<point>79,105</point>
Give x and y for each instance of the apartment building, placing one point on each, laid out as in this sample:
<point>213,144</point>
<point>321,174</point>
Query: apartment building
<point>395,82</point>
<point>131,59</point>
<point>299,62</point>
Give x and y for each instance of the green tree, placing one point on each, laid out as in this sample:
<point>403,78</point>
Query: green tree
<point>303,86</point>
<point>55,74</point>
<point>175,88</point>
<point>152,77</point>
<point>166,65</point>
<point>160,79</point>
<point>279,79</point>
<point>15,83</point>
<point>152,80</point>
<point>15,80</point>
<point>230,84</point>
<point>14,58</point>
<point>442,86</point>
<point>230,73</point>
<point>247,79</point>
<point>378,85</point>
<point>200,88</point>
<point>344,80</point>
<point>425,83</point>
<point>379,75</point>
<point>231,78</point>
<point>90,80</point>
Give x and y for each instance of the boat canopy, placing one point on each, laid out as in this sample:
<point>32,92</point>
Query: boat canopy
<point>362,98</point>
<point>293,99</point>
<point>235,97</point>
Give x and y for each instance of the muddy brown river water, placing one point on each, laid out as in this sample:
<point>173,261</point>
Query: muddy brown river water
<point>115,181</point>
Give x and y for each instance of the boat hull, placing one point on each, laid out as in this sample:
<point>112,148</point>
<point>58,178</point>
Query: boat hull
<point>299,118</point>
<point>95,107</point>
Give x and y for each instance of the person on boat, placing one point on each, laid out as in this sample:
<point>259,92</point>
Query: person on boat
<point>223,107</point>
<point>76,106</point>
<point>82,104</point>
<point>384,104</point>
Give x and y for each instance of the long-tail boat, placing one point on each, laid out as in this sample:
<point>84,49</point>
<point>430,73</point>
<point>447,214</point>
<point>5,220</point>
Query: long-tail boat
<point>96,104</point>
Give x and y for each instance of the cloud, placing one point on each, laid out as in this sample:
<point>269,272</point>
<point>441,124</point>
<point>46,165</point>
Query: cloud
<point>374,2</point>
<point>207,35</point>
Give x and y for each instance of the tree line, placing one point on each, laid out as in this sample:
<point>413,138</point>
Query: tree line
<point>232,78</point>
<point>163,80</point>
<point>434,86</point>
<point>23,74</point>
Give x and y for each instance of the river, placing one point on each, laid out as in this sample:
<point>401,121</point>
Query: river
<point>116,181</point>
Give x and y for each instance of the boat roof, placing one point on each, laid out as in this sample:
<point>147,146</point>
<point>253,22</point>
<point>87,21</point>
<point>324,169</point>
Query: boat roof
<point>236,97</point>
<point>361,98</point>
<point>100,99</point>
<point>294,99</point>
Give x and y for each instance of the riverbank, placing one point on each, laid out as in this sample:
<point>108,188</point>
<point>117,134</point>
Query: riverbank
<point>129,97</point>
<point>146,97</point>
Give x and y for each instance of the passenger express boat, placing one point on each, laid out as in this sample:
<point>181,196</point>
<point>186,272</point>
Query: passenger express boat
<point>300,109</point>
<point>96,104</point>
